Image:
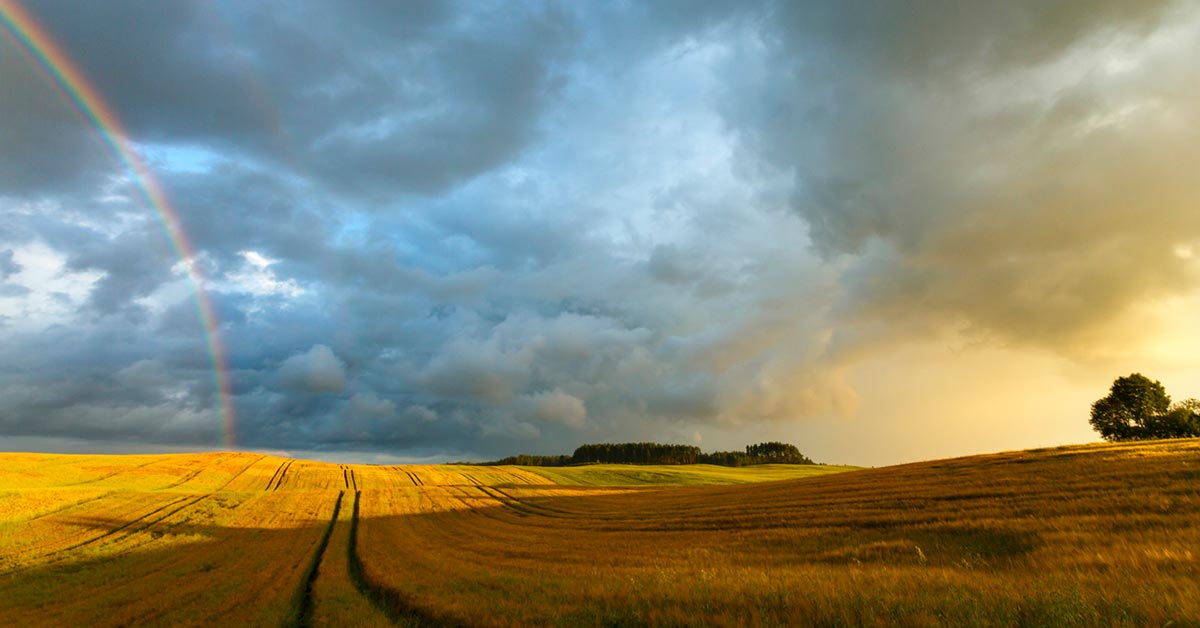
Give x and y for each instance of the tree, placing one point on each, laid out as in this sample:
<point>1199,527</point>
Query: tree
<point>1187,406</point>
<point>776,453</point>
<point>1182,420</point>
<point>655,453</point>
<point>636,453</point>
<point>1134,409</point>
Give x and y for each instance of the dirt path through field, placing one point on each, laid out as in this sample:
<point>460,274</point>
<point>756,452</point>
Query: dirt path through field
<point>302,606</point>
<point>336,600</point>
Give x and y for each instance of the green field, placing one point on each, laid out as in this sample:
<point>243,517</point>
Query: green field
<point>679,475</point>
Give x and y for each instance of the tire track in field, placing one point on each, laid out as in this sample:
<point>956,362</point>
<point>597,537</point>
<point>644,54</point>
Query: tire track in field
<point>532,515</point>
<point>413,477</point>
<point>283,476</point>
<point>469,496</point>
<point>523,505</point>
<point>388,601</point>
<point>161,519</point>
<point>464,495</point>
<point>506,502</point>
<point>353,480</point>
<point>185,479</point>
<point>346,476</point>
<point>117,529</point>
<point>280,473</point>
<point>55,554</point>
<point>521,509</point>
<point>141,519</point>
<point>471,479</point>
<point>302,602</point>
<point>68,507</point>
<point>113,474</point>
<point>167,529</point>
<point>239,473</point>
<point>275,475</point>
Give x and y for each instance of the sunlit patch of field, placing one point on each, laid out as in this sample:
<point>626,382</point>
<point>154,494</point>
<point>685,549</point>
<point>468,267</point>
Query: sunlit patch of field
<point>687,475</point>
<point>1104,535</point>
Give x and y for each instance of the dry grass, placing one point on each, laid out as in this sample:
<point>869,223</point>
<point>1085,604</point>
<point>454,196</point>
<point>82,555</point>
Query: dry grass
<point>337,600</point>
<point>1105,535</point>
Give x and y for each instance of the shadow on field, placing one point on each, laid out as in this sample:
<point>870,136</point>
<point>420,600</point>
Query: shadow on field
<point>144,571</point>
<point>181,574</point>
<point>154,571</point>
<point>1008,539</point>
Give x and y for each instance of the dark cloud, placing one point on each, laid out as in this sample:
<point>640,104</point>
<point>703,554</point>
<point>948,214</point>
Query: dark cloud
<point>992,166</point>
<point>8,266</point>
<point>410,103</point>
<point>316,371</point>
<point>91,387</point>
<point>464,230</point>
<point>48,150</point>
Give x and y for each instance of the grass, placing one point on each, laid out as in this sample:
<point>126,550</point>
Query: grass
<point>1098,535</point>
<point>689,475</point>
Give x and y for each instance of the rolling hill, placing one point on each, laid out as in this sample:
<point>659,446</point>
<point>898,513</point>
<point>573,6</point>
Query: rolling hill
<point>1071,536</point>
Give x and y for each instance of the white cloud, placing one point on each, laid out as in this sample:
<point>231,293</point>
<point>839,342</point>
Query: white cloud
<point>257,278</point>
<point>43,291</point>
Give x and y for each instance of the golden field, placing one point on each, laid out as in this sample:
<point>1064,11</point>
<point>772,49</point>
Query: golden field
<point>1096,535</point>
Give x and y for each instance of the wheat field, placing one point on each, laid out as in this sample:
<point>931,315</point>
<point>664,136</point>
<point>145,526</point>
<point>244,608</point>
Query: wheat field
<point>1096,535</point>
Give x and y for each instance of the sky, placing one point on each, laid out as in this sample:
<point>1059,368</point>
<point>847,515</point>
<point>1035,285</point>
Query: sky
<point>430,231</point>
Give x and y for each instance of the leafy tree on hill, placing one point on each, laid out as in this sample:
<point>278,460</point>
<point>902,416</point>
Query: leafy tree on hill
<point>637,453</point>
<point>776,453</point>
<point>656,453</point>
<point>727,458</point>
<point>1138,407</point>
<point>1182,420</point>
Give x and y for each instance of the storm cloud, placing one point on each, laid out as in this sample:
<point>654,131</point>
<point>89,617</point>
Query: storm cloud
<point>1022,169</point>
<point>471,230</point>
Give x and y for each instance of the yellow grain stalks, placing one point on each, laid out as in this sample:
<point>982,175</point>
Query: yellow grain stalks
<point>1091,535</point>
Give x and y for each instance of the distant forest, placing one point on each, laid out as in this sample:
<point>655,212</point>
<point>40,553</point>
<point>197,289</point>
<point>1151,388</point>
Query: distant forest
<point>656,453</point>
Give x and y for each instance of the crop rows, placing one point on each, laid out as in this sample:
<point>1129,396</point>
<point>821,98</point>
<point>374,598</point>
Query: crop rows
<point>1097,535</point>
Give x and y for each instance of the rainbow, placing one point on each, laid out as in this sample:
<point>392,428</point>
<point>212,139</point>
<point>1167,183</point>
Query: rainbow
<point>83,96</point>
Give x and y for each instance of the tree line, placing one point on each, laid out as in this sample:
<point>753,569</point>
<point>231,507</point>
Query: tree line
<point>656,453</point>
<point>1138,408</point>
